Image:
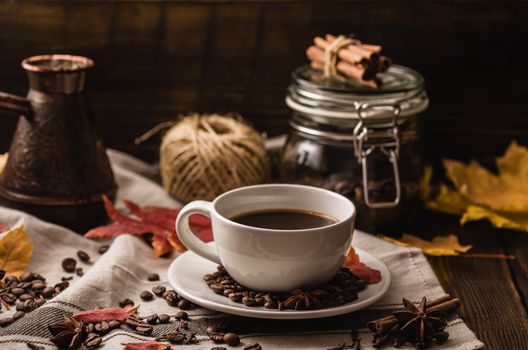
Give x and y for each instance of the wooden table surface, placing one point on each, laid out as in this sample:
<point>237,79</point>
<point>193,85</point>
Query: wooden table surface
<point>494,293</point>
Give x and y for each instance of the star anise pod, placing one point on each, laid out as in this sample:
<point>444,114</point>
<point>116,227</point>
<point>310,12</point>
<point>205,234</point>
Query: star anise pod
<point>419,325</point>
<point>301,300</point>
<point>69,334</point>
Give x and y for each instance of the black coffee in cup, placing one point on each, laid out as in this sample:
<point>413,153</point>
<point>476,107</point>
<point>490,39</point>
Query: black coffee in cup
<point>284,219</point>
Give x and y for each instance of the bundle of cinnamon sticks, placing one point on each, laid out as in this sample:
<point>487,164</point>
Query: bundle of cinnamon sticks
<point>348,57</point>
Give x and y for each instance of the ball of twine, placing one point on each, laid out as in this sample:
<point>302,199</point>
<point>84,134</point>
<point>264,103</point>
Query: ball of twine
<point>202,156</point>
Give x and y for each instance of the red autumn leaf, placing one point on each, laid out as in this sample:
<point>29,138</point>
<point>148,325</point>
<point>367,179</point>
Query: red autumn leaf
<point>361,270</point>
<point>205,234</point>
<point>109,314</point>
<point>147,345</point>
<point>199,220</point>
<point>114,229</point>
<point>3,227</point>
<point>162,217</point>
<point>161,245</point>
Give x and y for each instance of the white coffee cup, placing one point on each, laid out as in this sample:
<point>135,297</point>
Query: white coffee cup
<point>269,259</point>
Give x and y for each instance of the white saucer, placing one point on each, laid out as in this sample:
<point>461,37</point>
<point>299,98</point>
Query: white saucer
<point>186,277</point>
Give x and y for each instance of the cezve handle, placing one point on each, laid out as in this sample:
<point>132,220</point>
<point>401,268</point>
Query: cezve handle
<point>15,104</point>
<point>188,238</point>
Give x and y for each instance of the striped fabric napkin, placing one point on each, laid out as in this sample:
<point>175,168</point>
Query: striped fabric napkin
<point>122,273</point>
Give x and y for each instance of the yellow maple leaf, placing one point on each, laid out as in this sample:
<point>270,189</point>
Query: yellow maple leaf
<point>15,251</point>
<point>507,191</point>
<point>440,245</point>
<point>449,201</point>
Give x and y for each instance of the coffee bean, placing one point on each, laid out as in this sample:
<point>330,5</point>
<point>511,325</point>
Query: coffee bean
<point>21,306</point>
<point>10,280</point>
<point>48,292</point>
<point>260,301</point>
<point>175,337</point>
<point>217,337</point>
<point>38,302</point>
<point>83,256</point>
<point>25,297</point>
<point>184,304</point>
<point>227,292</point>
<point>64,279</point>
<point>184,324</point>
<point>153,277</point>
<point>231,339</point>
<point>152,319</point>
<point>101,327</point>
<point>79,271</point>
<point>146,295</point>
<point>164,318</point>
<point>103,249</point>
<point>218,348</point>
<point>4,322</point>
<point>17,291</point>
<point>217,288</point>
<point>236,297</point>
<point>38,285</point>
<point>9,298</point>
<point>171,297</point>
<point>27,277</point>
<point>248,301</point>
<point>18,315</point>
<point>255,346</point>
<point>126,302</point>
<point>62,286</point>
<point>92,341</point>
<point>69,264</point>
<point>145,330</point>
<point>208,277</point>
<point>181,315</point>
<point>270,305</point>
<point>158,290</point>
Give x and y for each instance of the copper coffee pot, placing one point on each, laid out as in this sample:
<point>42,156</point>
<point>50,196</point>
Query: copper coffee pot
<point>57,167</point>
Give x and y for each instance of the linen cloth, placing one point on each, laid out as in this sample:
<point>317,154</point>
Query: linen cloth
<point>122,273</point>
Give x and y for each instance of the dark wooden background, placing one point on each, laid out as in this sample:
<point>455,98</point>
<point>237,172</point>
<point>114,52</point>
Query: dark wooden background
<point>157,59</point>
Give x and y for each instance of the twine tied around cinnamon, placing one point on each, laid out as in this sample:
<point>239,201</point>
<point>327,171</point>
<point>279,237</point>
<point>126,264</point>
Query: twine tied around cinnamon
<point>203,156</point>
<point>331,54</point>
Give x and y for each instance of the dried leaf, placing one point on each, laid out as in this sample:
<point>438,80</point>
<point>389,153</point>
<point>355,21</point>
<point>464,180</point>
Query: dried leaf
<point>449,201</point>
<point>352,262</point>
<point>440,245</point>
<point>147,345</point>
<point>507,191</point>
<point>514,221</point>
<point>15,251</point>
<point>3,227</point>
<point>158,221</point>
<point>109,314</point>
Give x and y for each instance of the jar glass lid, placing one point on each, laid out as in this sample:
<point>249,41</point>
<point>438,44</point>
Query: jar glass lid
<point>312,93</point>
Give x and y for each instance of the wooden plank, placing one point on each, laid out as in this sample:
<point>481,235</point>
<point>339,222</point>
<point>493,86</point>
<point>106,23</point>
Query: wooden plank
<point>157,54</point>
<point>492,305</point>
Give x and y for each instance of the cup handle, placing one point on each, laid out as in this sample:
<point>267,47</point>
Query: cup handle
<point>188,238</point>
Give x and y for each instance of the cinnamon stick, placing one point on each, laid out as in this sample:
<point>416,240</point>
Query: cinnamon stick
<point>443,304</point>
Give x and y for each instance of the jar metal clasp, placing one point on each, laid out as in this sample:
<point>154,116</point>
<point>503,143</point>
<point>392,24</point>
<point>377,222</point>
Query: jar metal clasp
<point>386,139</point>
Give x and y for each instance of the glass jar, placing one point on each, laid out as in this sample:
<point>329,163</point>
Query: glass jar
<point>358,141</point>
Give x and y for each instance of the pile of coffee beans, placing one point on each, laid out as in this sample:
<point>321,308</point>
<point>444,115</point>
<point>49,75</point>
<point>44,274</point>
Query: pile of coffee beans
<point>26,293</point>
<point>342,289</point>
